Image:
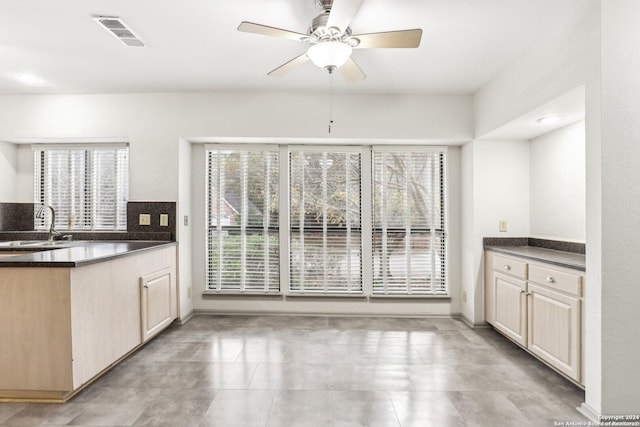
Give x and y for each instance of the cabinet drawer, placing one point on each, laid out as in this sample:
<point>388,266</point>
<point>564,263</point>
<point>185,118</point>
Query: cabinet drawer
<point>560,280</point>
<point>510,266</point>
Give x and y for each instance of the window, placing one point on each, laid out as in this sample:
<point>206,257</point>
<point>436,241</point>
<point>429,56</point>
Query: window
<point>242,211</point>
<point>88,185</point>
<point>324,214</point>
<point>408,222</point>
<point>356,220</point>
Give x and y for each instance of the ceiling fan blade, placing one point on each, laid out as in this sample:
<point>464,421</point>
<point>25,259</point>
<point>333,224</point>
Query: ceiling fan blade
<point>264,30</point>
<point>403,38</point>
<point>286,67</point>
<point>351,72</point>
<point>342,13</point>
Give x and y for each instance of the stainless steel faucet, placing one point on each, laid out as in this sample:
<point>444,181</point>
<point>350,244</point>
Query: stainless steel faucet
<point>52,231</point>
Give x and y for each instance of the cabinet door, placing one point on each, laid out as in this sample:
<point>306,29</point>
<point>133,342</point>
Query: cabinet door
<point>554,329</point>
<point>510,306</point>
<point>489,298</point>
<point>156,301</point>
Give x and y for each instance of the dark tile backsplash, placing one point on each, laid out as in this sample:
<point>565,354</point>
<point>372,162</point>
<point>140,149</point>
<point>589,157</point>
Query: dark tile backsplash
<point>16,216</point>
<point>85,235</point>
<point>154,209</point>
<point>505,241</point>
<point>557,245</point>
<point>16,223</point>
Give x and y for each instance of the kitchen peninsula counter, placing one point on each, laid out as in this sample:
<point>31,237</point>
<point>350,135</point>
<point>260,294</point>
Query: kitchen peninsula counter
<point>73,254</point>
<point>70,311</point>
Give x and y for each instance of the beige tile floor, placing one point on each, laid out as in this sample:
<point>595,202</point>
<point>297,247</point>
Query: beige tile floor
<point>317,371</point>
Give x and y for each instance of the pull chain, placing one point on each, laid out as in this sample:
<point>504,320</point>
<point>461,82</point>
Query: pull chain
<point>330,98</point>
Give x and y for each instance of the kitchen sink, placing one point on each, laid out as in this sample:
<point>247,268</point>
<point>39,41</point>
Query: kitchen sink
<point>47,243</point>
<point>37,243</point>
<point>17,243</point>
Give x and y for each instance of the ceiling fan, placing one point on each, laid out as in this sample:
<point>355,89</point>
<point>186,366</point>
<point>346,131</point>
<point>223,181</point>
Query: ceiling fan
<point>331,41</point>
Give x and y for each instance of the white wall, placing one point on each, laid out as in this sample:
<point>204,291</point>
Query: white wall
<point>468,274</point>
<point>558,182</point>
<point>454,227</point>
<point>495,186</point>
<point>554,66</point>
<point>154,124</point>
<point>501,187</point>
<point>620,207</point>
<point>24,174</point>
<point>185,267</point>
<point>8,171</point>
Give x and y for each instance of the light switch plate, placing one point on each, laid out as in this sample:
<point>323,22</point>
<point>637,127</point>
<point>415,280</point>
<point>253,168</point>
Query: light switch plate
<point>502,224</point>
<point>164,220</point>
<point>144,219</point>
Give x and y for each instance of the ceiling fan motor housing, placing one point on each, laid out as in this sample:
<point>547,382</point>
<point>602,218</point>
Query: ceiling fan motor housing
<point>320,31</point>
<point>325,4</point>
<point>319,24</point>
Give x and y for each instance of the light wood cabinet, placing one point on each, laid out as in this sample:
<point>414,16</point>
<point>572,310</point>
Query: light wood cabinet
<point>554,329</point>
<point>539,307</point>
<point>511,307</point>
<point>158,307</point>
<point>61,328</point>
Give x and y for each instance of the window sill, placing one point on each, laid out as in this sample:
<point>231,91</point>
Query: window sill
<point>236,294</point>
<point>410,296</point>
<point>319,295</point>
<point>325,295</point>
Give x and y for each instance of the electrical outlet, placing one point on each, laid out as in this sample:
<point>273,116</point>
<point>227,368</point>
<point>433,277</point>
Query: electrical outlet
<point>164,220</point>
<point>186,220</point>
<point>144,219</point>
<point>502,224</point>
<point>464,296</point>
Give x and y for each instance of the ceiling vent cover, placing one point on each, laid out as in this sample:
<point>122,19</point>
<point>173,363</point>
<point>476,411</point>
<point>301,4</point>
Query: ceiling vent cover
<point>117,28</point>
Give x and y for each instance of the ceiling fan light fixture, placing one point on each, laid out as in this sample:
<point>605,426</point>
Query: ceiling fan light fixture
<point>329,54</point>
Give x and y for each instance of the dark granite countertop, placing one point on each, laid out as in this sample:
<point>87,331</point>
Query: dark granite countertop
<point>550,256</point>
<point>74,254</point>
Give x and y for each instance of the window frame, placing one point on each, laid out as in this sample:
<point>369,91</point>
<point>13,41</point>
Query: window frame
<point>267,289</point>
<point>366,220</point>
<point>90,166</point>
<point>443,232</point>
<point>360,150</point>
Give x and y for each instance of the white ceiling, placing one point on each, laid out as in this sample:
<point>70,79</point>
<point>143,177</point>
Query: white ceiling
<point>193,45</point>
<point>567,108</point>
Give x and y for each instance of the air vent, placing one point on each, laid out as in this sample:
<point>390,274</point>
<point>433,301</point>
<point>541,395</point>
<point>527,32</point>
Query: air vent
<point>117,28</point>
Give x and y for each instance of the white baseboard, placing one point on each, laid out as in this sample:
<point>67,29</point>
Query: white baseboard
<point>210,312</point>
<point>472,325</point>
<point>589,412</point>
<point>184,319</point>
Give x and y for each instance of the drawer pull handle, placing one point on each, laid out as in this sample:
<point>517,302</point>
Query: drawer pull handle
<point>507,267</point>
<point>522,291</point>
<point>550,279</point>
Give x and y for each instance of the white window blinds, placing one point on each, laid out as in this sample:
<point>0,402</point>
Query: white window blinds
<point>242,212</point>
<point>87,185</point>
<point>409,231</point>
<point>325,241</point>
